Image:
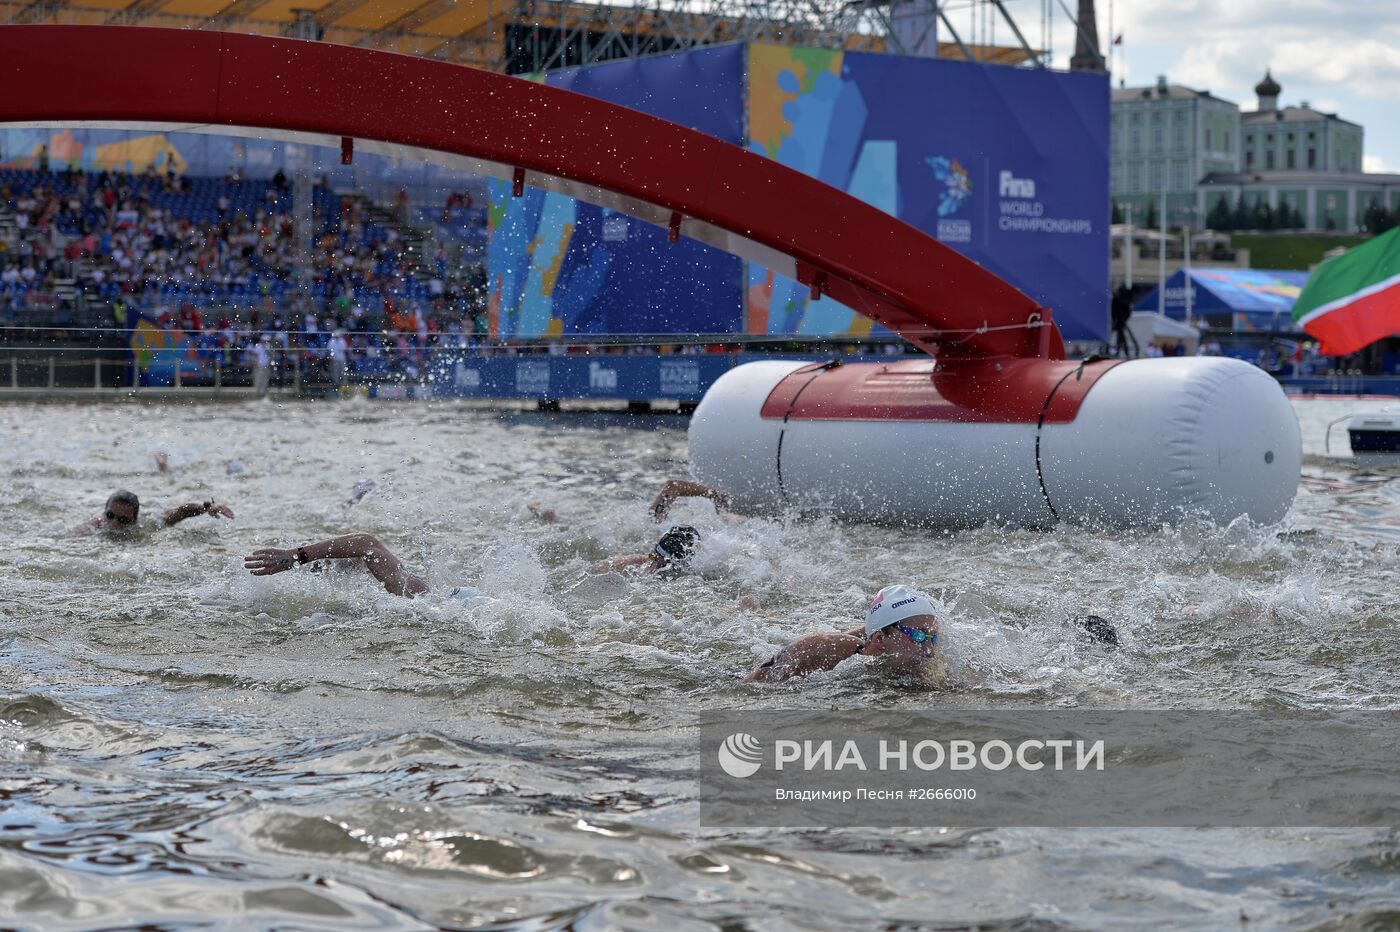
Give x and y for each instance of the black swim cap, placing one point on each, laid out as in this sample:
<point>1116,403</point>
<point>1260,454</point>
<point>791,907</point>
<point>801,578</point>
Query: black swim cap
<point>677,545</point>
<point>1098,628</point>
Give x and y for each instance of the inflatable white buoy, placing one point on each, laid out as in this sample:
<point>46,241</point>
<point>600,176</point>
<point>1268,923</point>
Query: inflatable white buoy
<point>1142,442</point>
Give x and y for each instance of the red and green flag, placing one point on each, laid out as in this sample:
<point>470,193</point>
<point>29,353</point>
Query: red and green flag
<point>1353,300</point>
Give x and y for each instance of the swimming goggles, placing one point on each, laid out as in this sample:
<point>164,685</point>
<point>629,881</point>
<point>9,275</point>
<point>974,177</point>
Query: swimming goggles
<point>917,636</point>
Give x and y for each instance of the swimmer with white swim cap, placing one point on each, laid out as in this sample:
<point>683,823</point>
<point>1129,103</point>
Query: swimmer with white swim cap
<point>900,629</point>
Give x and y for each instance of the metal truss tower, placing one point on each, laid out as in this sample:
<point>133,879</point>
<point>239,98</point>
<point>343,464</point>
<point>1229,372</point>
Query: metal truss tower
<point>548,34</point>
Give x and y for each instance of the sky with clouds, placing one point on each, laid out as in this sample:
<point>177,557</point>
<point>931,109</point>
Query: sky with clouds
<point>1341,56</point>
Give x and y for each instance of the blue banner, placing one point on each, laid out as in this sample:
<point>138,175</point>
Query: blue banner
<point>639,378</point>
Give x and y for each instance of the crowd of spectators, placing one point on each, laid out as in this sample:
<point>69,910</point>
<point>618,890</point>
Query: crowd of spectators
<point>217,259</point>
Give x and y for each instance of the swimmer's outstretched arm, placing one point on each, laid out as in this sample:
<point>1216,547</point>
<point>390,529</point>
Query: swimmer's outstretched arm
<point>810,654</point>
<point>378,559</point>
<point>627,561</point>
<point>181,512</point>
<point>685,488</point>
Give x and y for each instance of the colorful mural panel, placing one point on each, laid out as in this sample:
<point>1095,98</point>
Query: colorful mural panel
<point>1007,166</point>
<point>556,266</point>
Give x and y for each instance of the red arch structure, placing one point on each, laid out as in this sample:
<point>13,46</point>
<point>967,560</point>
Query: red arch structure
<point>692,183</point>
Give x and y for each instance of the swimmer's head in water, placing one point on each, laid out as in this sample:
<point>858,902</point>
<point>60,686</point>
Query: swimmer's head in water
<point>895,603</point>
<point>901,628</point>
<point>1098,629</point>
<point>123,508</point>
<point>677,546</point>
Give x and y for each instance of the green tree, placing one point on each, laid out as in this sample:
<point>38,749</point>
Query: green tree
<point>1376,219</point>
<point>1263,215</point>
<point>1150,221</point>
<point>1239,217</point>
<point>1117,215</point>
<point>1219,216</point>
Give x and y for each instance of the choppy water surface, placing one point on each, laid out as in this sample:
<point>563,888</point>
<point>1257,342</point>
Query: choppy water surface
<point>185,744</point>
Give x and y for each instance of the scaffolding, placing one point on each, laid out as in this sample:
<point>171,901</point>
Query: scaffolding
<point>531,36</point>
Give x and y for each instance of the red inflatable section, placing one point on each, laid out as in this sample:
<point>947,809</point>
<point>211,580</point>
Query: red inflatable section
<point>980,391</point>
<point>726,196</point>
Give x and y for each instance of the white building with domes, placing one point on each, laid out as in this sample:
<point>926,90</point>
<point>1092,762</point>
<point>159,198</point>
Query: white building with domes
<point>1297,138</point>
<point>1297,157</point>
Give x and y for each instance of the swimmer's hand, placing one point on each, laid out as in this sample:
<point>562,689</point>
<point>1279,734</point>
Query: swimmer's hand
<point>377,558</point>
<point>269,561</point>
<point>685,488</point>
<point>359,490</point>
<point>182,512</point>
<point>542,511</point>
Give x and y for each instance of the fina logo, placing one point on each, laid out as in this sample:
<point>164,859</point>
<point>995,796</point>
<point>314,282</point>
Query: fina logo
<point>601,377</point>
<point>1011,186</point>
<point>741,755</point>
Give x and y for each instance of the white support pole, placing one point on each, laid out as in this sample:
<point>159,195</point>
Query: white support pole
<point>1187,234</point>
<point>1162,259</point>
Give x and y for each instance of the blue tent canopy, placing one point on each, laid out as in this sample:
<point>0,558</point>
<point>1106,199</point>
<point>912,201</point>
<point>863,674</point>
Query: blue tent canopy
<point>1255,298</point>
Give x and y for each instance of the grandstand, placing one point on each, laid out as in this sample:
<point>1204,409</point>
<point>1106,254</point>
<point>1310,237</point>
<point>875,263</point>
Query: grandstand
<point>217,260</point>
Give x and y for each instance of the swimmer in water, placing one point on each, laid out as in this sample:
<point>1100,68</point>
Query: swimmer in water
<point>660,506</point>
<point>686,488</point>
<point>359,490</point>
<point>123,514</point>
<point>901,631</point>
<point>672,552</point>
<point>366,548</point>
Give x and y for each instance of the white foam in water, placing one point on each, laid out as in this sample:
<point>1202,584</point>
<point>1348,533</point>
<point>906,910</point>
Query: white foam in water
<point>318,700</point>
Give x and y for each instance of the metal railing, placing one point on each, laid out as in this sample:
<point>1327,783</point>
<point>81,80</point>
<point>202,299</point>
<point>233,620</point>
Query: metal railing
<point>287,372</point>
<point>38,370</point>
